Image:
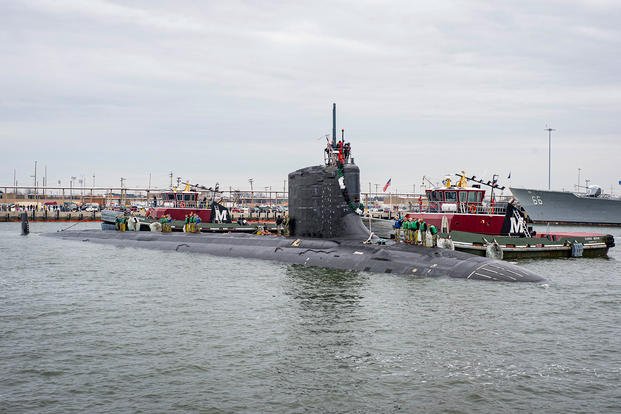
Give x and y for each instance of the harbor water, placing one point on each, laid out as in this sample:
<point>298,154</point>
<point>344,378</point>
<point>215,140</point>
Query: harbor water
<point>101,329</point>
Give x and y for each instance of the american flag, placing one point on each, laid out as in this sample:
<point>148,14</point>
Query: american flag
<point>387,184</point>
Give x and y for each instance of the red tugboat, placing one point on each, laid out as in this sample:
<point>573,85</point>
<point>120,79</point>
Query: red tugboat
<point>176,204</point>
<point>498,229</point>
<point>461,207</point>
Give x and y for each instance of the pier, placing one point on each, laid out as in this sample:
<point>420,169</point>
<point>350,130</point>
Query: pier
<point>65,203</point>
<point>51,215</point>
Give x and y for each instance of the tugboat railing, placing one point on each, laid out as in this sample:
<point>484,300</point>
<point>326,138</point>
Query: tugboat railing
<point>181,204</point>
<point>166,202</point>
<point>498,208</point>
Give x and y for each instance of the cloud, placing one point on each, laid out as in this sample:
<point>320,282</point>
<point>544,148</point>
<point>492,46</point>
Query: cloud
<point>219,76</point>
<point>114,12</point>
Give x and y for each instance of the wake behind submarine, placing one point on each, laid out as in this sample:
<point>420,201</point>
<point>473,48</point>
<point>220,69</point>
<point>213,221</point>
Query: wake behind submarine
<point>326,230</point>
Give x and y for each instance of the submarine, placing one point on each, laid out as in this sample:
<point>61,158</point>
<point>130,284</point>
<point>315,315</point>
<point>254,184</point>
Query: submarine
<point>325,230</point>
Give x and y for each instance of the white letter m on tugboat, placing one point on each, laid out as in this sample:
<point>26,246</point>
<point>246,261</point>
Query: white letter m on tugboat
<point>221,215</point>
<point>517,225</point>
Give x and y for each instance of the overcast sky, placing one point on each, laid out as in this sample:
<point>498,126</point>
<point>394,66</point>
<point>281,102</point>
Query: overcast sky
<point>230,90</point>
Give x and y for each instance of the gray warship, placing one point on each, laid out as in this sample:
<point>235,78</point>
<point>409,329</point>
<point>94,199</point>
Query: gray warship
<point>559,207</point>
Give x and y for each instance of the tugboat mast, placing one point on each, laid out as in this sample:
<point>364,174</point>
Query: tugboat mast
<point>334,126</point>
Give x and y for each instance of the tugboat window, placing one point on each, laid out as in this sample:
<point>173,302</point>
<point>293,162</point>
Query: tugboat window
<point>472,196</point>
<point>462,196</point>
<point>450,196</point>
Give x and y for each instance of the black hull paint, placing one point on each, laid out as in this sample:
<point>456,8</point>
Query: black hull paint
<point>414,261</point>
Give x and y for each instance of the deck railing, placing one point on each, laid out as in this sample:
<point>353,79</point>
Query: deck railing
<point>463,208</point>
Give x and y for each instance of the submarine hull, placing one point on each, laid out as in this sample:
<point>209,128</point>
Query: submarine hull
<point>326,230</point>
<point>414,261</point>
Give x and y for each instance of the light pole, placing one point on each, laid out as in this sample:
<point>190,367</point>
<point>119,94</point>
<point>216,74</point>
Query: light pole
<point>579,169</point>
<point>549,152</point>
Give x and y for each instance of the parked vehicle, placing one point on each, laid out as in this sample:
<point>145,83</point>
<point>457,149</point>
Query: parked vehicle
<point>90,207</point>
<point>69,206</point>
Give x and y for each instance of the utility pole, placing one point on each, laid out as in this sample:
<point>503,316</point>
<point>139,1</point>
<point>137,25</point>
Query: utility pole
<point>251,180</point>
<point>71,187</point>
<point>35,180</point>
<point>549,152</point>
<point>81,181</point>
<point>121,203</point>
